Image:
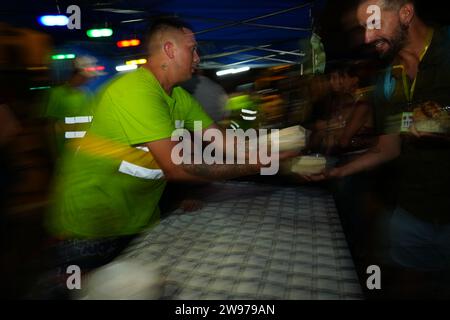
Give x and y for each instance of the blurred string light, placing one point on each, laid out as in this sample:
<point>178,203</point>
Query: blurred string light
<point>126,67</point>
<point>40,88</point>
<point>63,56</point>
<point>98,33</point>
<point>128,43</point>
<point>231,71</point>
<point>96,68</point>
<point>53,20</point>
<point>138,61</point>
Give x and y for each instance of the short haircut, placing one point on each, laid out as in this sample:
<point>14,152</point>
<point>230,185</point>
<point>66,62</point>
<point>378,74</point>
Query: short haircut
<point>394,4</point>
<point>162,24</point>
<point>388,4</point>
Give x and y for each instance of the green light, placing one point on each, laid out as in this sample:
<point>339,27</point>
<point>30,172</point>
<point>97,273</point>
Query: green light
<point>97,33</point>
<point>39,88</point>
<point>63,56</point>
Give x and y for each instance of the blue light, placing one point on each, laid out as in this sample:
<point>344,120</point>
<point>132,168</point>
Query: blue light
<point>53,20</point>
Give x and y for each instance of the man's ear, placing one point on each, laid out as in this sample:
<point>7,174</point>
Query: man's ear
<point>407,13</point>
<point>169,49</point>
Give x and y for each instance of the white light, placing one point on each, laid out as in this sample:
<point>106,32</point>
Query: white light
<point>231,71</point>
<point>39,88</point>
<point>243,69</point>
<point>54,20</point>
<point>97,33</point>
<point>249,111</point>
<point>127,67</point>
<point>223,72</point>
<point>74,134</point>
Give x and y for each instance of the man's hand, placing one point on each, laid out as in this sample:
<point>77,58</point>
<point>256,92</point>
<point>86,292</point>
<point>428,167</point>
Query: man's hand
<point>431,111</point>
<point>285,155</point>
<point>421,134</point>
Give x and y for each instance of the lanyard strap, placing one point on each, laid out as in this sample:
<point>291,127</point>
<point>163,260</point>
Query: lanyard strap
<point>425,49</point>
<point>409,92</point>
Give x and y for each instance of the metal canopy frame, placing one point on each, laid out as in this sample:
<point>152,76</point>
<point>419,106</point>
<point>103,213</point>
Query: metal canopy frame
<point>265,47</point>
<point>246,21</point>
<point>268,57</point>
<point>269,36</point>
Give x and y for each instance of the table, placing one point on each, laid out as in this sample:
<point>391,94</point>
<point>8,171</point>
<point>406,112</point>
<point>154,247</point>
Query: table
<point>253,241</point>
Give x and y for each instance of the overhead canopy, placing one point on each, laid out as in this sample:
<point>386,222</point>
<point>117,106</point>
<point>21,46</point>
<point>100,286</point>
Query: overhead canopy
<point>252,33</point>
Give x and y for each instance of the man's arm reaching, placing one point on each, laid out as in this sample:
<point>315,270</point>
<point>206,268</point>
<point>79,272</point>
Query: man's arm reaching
<point>162,150</point>
<point>388,148</point>
<point>191,172</point>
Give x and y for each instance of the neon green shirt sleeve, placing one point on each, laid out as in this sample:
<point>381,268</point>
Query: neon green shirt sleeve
<point>144,119</point>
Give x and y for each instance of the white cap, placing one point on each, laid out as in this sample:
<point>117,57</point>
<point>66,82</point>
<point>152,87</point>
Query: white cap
<point>87,65</point>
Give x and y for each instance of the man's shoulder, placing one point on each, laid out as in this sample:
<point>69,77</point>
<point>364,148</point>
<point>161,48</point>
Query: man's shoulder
<point>132,85</point>
<point>443,40</point>
<point>124,80</point>
<point>438,57</point>
<point>124,93</point>
<point>445,31</point>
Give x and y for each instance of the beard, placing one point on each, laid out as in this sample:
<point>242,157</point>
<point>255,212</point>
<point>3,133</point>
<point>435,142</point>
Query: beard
<point>396,43</point>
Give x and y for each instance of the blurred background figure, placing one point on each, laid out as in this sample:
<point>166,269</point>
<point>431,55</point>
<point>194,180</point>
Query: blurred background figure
<point>343,118</point>
<point>342,127</point>
<point>70,106</point>
<point>25,160</point>
<point>9,129</point>
<point>243,106</point>
<point>273,107</point>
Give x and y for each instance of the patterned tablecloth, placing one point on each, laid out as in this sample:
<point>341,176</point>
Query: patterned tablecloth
<point>253,241</point>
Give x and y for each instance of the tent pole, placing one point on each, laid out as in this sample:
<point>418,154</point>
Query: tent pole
<point>232,24</point>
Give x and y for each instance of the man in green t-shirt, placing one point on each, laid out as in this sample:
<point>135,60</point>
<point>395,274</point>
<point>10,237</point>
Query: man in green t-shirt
<point>69,108</point>
<point>108,189</point>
